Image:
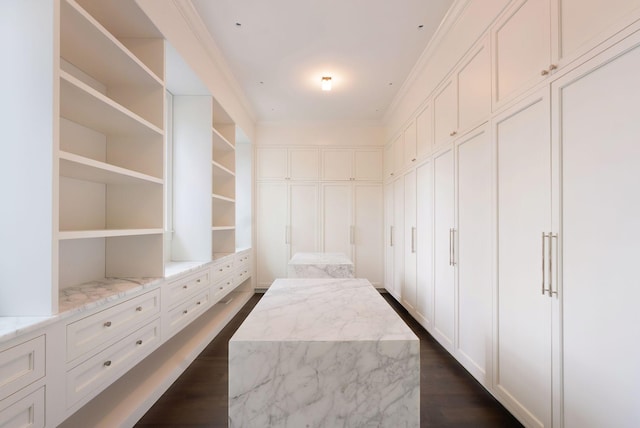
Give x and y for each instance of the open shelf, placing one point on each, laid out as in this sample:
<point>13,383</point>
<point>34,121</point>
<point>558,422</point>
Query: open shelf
<point>106,233</point>
<point>220,170</point>
<point>82,104</point>
<point>220,142</point>
<point>81,168</point>
<point>222,198</point>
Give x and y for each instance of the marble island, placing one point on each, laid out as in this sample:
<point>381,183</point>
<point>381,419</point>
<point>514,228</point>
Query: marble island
<point>320,265</point>
<point>323,353</point>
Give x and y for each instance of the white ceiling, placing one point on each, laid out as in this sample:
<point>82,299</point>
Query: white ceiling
<point>282,48</point>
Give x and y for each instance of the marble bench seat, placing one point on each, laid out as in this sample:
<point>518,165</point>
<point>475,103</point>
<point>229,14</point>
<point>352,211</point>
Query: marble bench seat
<point>320,265</point>
<point>324,353</point>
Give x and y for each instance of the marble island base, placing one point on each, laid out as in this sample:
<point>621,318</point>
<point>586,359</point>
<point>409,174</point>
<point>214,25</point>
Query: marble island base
<point>323,353</point>
<point>320,265</point>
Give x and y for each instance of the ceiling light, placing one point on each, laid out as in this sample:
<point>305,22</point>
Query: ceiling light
<point>326,83</point>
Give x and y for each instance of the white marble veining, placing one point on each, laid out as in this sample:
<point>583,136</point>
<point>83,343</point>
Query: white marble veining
<point>320,265</point>
<point>323,353</point>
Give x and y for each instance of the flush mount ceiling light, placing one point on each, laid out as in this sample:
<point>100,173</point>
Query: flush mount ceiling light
<point>326,83</point>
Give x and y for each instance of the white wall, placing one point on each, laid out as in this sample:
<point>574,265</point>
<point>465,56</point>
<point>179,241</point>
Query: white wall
<point>333,133</point>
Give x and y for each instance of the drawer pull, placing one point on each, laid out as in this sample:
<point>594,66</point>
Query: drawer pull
<point>184,312</point>
<point>139,309</point>
<point>139,342</point>
<point>198,280</point>
<point>222,288</point>
<point>220,270</point>
<point>197,303</point>
<point>185,286</point>
<point>107,324</point>
<point>452,133</point>
<point>107,363</point>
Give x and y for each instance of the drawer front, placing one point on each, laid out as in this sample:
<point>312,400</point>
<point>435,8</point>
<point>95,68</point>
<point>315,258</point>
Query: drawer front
<point>242,258</point>
<point>21,365</point>
<point>27,412</point>
<point>224,285</point>
<point>242,274</point>
<point>186,312</point>
<point>189,286</point>
<point>98,372</point>
<point>222,268</point>
<point>92,332</point>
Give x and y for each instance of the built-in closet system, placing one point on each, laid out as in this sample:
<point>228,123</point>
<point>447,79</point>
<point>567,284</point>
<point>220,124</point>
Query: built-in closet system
<point>510,238</point>
<point>129,256</point>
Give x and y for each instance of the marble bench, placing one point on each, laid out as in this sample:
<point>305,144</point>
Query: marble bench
<point>320,265</point>
<point>324,353</point>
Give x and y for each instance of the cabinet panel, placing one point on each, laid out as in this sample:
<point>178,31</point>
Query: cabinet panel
<point>424,132</point>
<point>337,164</point>
<point>409,296</point>
<point>367,234</point>
<point>271,163</point>
<point>27,412</point>
<point>303,219</point>
<point>475,245</point>
<point>388,237</point>
<point>388,161</point>
<point>410,142</point>
<point>521,43</point>
<point>336,218</point>
<point>398,238</point>
<point>474,88</point>
<point>424,243</point>
<point>398,154</point>
<point>21,365</point>
<point>445,110</point>
<point>523,366</point>
<point>304,164</point>
<point>444,241</point>
<point>272,232</point>
<point>600,239</point>
<point>367,164</point>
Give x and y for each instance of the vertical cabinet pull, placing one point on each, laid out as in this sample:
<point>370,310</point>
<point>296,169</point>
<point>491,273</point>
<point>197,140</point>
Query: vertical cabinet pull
<point>391,236</point>
<point>451,247</point>
<point>547,263</point>
<point>413,240</point>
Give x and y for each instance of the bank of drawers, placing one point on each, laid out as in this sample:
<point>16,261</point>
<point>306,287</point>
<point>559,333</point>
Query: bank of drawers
<point>20,366</point>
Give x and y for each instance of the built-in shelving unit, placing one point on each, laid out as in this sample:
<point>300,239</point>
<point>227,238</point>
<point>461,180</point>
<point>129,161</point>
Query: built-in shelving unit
<point>110,156</point>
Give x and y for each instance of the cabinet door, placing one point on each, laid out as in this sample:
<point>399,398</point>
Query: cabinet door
<point>474,255</point>
<point>337,164</point>
<point>367,233</point>
<point>444,240</point>
<point>272,232</point>
<point>367,164</point>
<point>388,161</point>
<point>474,88</point>
<point>523,318</point>
<point>521,42</point>
<point>388,237</point>
<point>271,163</point>
<point>600,238</point>
<point>410,142</point>
<point>424,132</point>
<point>445,113</point>
<point>424,244</point>
<point>303,215</point>
<point>336,218</point>
<point>398,154</point>
<point>304,164</point>
<point>398,237</point>
<point>409,286</point>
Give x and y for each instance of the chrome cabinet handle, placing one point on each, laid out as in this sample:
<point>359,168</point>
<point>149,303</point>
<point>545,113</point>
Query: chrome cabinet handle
<point>107,324</point>
<point>544,72</point>
<point>107,363</point>
<point>391,236</point>
<point>453,247</point>
<point>413,240</point>
<point>139,342</point>
<point>452,133</point>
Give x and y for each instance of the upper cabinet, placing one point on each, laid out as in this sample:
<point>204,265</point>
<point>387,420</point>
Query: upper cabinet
<point>464,100</point>
<point>388,161</point>
<point>352,164</point>
<point>282,163</point>
<point>424,132</point>
<point>410,143</point>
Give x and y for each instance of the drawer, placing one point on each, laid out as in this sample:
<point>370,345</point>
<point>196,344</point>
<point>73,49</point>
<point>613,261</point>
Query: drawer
<point>181,289</point>
<point>92,332</point>
<point>242,274</point>
<point>224,285</point>
<point>242,258</point>
<point>21,365</point>
<point>186,312</point>
<point>26,412</point>
<point>101,370</point>
<point>222,268</point>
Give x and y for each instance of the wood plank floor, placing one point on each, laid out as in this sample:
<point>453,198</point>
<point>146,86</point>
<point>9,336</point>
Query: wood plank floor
<point>449,396</point>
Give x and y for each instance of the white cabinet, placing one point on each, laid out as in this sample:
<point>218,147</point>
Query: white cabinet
<point>398,154</point>
<point>352,222</point>
<point>424,132</point>
<point>410,143</point>
<point>409,286</point>
<point>388,238</point>
<point>352,164</point>
<point>464,100</point>
<point>522,48</point>
<point>287,223</point>
<point>424,244</point>
<point>444,250</point>
<point>23,412</point>
<point>388,168</point>
<point>397,283</point>
<point>523,311</point>
<point>282,163</point>
<point>596,145</point>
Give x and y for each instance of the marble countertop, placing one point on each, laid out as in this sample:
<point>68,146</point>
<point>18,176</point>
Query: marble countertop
<point>91,295</point>
<point>327,309</point>
<point>320,259</point>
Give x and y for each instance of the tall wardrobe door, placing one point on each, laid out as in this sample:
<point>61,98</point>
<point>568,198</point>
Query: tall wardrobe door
<point>474,228</point>
<point>367,232</point>
<point>409,289</point>
<point>444,238</point>
<point>599,136</point>
<point>398,236</point>
<point>273,232</point>
<point>523,360</point>
<point>304,218</point>
<point>388,238</point>
<point>424,244</point>
<point>336,218</point>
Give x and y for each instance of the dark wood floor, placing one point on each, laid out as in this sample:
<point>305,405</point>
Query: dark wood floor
<point>449,396</point>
